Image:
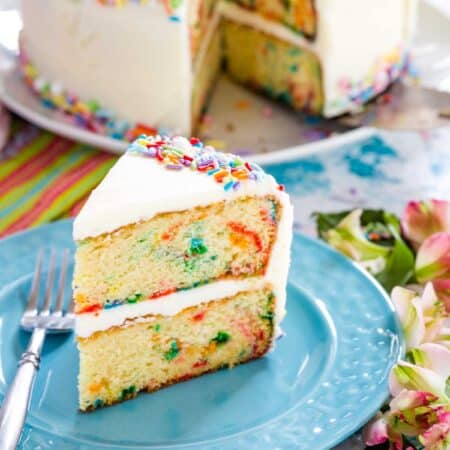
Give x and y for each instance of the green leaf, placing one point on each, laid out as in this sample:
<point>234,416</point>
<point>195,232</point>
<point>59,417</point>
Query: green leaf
<point>371,216</point>
<point>399,268</point>
<point>328,221</point>
<point>447,387</point>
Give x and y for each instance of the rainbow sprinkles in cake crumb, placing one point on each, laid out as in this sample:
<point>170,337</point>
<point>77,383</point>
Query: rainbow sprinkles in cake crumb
<point>180,269</point>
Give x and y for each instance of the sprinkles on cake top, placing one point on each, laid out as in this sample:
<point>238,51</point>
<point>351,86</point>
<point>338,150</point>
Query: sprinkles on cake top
<point>178,153</point>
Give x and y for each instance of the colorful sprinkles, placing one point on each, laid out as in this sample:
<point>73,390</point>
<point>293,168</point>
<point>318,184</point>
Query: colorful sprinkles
<point>127,393</point>
<point>222,337</point>
<point>383,73</point>
<point>179,153</point>
<point>85,114</point>
<point>197,247</point>
<point>172,353</point>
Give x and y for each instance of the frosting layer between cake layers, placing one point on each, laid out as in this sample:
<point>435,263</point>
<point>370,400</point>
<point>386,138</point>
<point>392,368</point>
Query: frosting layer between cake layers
<point>138,188</point>
<point>169,305</point>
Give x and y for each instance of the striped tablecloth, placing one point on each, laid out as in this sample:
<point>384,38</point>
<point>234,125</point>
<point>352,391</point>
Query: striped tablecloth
<point>44,177</point>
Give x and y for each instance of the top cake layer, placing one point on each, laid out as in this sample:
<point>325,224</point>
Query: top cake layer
<point>159,175</point>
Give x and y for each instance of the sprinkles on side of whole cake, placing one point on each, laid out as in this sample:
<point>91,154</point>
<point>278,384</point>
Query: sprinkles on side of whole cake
<point>89,114</point>
<point>178,153</point>
<point>386,70</point>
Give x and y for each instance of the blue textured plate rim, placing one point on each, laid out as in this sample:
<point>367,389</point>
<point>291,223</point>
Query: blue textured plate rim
<point>370,409</point>
<point>383,397</point>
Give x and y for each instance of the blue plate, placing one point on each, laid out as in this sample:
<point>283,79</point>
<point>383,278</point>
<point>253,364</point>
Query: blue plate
<point>325,379</point>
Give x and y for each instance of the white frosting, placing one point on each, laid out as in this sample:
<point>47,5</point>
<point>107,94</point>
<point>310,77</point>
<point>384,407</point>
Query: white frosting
<point>244,16</point>
<point>353,35</point>
<point>169,305</point>
<point>132,60</point>
<point>136,62</point>
<point>206,39</point>
<point>137,188</point>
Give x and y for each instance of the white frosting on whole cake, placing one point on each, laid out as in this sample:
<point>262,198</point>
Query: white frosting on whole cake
<point>136,60</point>
<point>133,61</point>
<point>353,36</point>
<point>137,188</point>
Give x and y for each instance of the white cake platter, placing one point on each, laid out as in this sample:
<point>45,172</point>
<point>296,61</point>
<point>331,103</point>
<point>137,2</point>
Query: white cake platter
<point>243,122</point>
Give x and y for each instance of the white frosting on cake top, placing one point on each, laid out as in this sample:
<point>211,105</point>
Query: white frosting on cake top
<point>138,188</point>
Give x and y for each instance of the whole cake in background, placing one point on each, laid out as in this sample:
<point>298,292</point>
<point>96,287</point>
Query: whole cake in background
<point>180,269</point>
<point>123,67</point>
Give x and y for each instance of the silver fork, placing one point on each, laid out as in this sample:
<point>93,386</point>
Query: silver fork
<point>40,322</point>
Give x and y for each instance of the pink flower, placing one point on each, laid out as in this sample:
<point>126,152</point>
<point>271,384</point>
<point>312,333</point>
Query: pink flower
<point>375,432</point>
<point>428,373</point>
<point>433,258</point>
<point>423,218</point>
<point>411,413</point>
<point>442,289</point>
<point>437,437</point>
<point>411,399</point>
<point>422,316</point>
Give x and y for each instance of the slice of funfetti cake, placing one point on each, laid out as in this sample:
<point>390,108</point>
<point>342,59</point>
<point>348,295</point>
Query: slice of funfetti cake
<point>181,267</point>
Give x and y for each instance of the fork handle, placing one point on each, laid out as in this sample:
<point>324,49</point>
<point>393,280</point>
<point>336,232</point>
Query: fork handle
<point>15,405</point>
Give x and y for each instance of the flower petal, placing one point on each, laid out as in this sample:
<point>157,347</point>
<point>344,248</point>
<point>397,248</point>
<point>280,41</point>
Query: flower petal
<point>442,288</point>
<point>423,218</point>
<point>410,315</point>
<point>348,237</point>
<point>375,432</point>
<point>436,358</point>
<point>433,258</point>
<point>415,378</point>
<point>437,437</point>
<point>411,399</point>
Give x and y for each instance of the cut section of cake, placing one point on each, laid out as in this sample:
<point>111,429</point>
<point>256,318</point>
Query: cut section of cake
<point>180,269</point>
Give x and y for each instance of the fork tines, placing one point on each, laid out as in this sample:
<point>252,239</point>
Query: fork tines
<point>52,307</point>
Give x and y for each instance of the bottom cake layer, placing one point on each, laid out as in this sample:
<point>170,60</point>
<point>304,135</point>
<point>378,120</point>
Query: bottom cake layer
<point>149,353</point>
